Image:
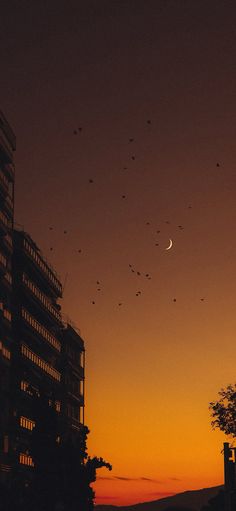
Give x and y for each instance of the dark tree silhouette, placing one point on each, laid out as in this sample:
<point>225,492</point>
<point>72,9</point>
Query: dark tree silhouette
<point>223,411</point>
<point>79,471</point>
<point>63,470</point>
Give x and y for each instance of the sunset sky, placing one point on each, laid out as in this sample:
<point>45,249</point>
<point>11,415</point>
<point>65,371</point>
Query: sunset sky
<point>163,73</point>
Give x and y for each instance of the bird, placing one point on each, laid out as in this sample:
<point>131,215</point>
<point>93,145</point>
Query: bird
<point>98,289</point>
<point>51,248</point>
<point>174,299</point>
<point>167,222</point>
<point>93,302</point>
<point>131,139</point>
<point>50,228</point>
<point>125,168</point>
<point>98,283</point>
<point>80,129</point>
<point>123,196</point>
<point>157,244</point>
<point>133,271</point>
<point>130,265</point>
<point>90,180</point>
<point>120,303</point>
<point>180,227</point>
<point>158,232</point>
<point>133,157</point>
<point>147,275</point>
<point>217,164</point>
<point>137,294</point>
<point>189,207</point>
<point>202,299</point>
<point>64,232</point>
<point>147,223</point>
<point>79,250</point>
<point>138,273</point>
<point>75,132</point>
<point>148,121</point>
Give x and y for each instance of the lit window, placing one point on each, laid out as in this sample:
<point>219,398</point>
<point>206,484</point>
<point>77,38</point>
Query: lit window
<point>25,459</point>
<point>5,352</point>
<point>27,423</point>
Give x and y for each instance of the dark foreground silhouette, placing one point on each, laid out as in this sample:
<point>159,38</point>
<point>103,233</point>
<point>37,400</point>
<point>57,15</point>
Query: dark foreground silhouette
<point>63,472</point>
<point>187,501</point>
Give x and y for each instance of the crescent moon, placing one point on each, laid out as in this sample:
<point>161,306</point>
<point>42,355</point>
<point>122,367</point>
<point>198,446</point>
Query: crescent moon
<point>170,245</point>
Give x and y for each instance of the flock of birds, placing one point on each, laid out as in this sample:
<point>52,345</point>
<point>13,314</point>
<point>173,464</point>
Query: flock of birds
<point>131,267</point>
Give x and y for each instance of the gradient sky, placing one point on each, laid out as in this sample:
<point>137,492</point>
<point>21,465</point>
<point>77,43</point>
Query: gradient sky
<point>153,364</point>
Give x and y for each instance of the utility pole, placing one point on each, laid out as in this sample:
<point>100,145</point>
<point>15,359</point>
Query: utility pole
<point>229,476</point>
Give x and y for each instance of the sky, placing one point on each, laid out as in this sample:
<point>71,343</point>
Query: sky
<point>125,113</point>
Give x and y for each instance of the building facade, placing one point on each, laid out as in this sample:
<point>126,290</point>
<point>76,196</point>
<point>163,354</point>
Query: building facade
<point>7,172</point>
<point>41,354</point>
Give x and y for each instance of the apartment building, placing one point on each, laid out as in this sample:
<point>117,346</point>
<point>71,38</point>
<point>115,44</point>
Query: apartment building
<point>41,352</point>
<point>7,172</point>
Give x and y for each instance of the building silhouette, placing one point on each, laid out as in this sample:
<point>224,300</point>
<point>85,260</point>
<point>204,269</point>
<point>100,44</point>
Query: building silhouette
<point>7,172</point>
<point>41,352</point>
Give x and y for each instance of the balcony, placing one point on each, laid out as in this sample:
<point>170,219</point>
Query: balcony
<point>3,184</point>
<point>42,299</point>
<point>8,205</point>
<point>36,327</point>
<point>5,223</point>
<point>3,264</point>
<point>7,280</point>
<point>7,241</point>
<point>43,268</point>
<point>6,315</point>
<point>10,170</point>
<point>7,138</point>
<point>40,363</point>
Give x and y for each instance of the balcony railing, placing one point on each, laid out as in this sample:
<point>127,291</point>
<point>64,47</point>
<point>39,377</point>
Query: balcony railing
<point>41,297</point>
<point>3,183</point>
<point>5,223</point>
<point>9,204</point>
<point>42,364</point>
<point>5,312</point>
<point>40,329</point>
<point>3,262</point>
<point>10,169</point>
<point>38,260</point>
<point>5,352</point>
<point>7,240</point>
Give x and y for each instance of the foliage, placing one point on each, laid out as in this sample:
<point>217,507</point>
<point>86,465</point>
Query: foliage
<point>223,411</point>
<point>63,470</point>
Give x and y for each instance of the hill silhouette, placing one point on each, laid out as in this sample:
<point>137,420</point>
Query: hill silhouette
<point>188,500</point>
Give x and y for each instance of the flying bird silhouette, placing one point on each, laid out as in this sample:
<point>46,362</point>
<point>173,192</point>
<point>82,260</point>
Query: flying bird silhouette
<point>90,180</point>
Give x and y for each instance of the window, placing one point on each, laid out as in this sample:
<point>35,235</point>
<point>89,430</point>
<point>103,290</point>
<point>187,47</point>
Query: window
<point>5,352</point>
<point>27,423</point>
<point>25,459</point>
